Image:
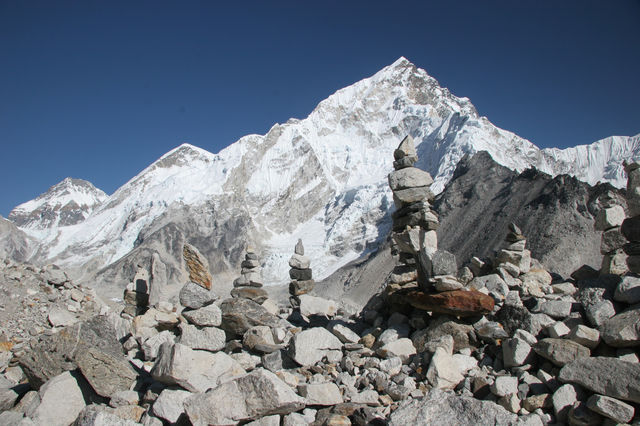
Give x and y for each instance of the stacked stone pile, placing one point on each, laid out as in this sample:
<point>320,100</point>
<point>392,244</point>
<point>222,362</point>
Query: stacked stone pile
<point>300,273</point>
<point>249,284</point>
<point>631,226</point>
<point>609,221</point>
<point>136,294</point>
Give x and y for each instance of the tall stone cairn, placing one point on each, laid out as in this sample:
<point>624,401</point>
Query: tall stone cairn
<point>630,228</point>
<point>514,257</point>
<point>136,294</point>
<point>609,221</point>
<point>414,223</point>
<point>300,272</point>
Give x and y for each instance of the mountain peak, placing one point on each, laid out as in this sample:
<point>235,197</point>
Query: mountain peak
<point>66,203</point>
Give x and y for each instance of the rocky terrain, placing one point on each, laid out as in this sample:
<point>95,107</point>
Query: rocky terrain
<point>500,341</point>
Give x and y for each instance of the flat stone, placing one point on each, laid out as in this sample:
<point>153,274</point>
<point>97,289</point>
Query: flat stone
<point>606,376</point>
<point>194,370</point>
<point>311,345</point>
<point>409,177</point>
<point>170,404</point>
<point>439,407</point>
<point>256,294</point>
<point>207,316</point>
<point>447,283</point>
<point>412,195</point>
<point>297,287</point>
<point>402,348</point>
<point>457,302</point>
<point>107,373</point>
<point>586,336</point>
<point>299,261</point>
<point>312,305</point>
<point>560,351</point>
<point>558,309</point>
<point>611,408</point>
<point>257,394</point>
<point>345,334</point>
<point>197,267</point>
<point>320,393</point>
<point>622,330</point>
<point>61,401</point>
<point>60,317</point>
<point>628,291</point>
<point>210,339</point>
<point>194,296</point>
<point>300,274</point>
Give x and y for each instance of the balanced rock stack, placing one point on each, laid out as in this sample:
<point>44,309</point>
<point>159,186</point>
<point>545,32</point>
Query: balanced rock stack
<point>300,272</point>
<point>631,226</point>
<point>136,294</point>
<point>414,223</point>
<point>248,284</point>
<point>609,220</point>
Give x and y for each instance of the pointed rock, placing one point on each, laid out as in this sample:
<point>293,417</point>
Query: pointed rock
<point>299,249</point>
<point>197,266</point>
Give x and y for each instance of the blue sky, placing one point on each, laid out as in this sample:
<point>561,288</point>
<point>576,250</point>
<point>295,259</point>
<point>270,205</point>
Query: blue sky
<point>100,89</point>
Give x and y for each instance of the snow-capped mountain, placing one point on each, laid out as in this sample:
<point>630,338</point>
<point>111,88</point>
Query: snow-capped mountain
<point>66,203</point>
<point>322,179</point>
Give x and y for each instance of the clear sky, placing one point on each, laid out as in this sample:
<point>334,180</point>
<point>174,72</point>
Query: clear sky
<point>98,90</point>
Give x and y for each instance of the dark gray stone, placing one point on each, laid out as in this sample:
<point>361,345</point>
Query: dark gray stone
<point>606,376</point>
<point>239,315</point>
<point>194,296</point>
<point>560,351</point>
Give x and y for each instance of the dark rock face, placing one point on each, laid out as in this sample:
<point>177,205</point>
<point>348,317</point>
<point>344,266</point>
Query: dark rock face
<point>557,214</point>
<point>239,315</point>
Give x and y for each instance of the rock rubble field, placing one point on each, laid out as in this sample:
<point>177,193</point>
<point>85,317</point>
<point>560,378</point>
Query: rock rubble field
<point>501,341</point>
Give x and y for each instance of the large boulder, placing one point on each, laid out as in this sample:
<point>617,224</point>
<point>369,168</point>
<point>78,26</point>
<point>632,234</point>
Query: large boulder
<point>107,373</point>
<point>441,408</point>
<point>194,296</point>
<point>560,351</point>
<point>311,345</point>
<point>239,315</point>
<point>56,353</point>
<point>622,330</point>
<point>194,370</point>
<point>207,316</point>
<point>257,394</point>
<point>61,401</point>
<point>606,376</point>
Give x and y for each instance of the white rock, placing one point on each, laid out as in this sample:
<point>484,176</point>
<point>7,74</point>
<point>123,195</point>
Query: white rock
<point>515,352</point>
<point>169,404</point>
<point>558,329</point>
<point>368,397</point>
<point>464,362</point>
<point>402,348</point>
<point>609,218</point>
<point>345,334</point>
<point>59,317</point>
<point>311,345</point>
<point>320,393</point>
<point>61,401</point>
<point>504,385</point>
<point>266,421</point>
<point>194,370</point>
<point>311,305</point>
<point>151,346</point>
<point>443,372</point>
<point>563,400</point>
<point>207,338</point>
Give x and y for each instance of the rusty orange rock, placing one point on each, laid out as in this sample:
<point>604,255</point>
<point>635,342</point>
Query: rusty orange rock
<point>456,302</point>
<point>197,266</point>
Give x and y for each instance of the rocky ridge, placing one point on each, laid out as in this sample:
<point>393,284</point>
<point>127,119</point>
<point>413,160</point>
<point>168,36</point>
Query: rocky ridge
<point>522,346</point>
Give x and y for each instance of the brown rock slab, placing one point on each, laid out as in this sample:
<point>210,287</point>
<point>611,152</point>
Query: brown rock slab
<point>456,302</point>
<point>197,266</point>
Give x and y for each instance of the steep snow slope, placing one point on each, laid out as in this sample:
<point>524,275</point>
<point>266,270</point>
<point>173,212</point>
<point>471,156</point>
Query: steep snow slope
<point>322,178</point>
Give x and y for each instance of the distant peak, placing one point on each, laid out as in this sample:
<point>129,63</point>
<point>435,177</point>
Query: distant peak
<point>401,61</point>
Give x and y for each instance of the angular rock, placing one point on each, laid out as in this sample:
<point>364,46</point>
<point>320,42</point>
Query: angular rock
<point>345,334</point>
<point>311,305</point>
<point>609,218</point>
<point>320,393</point>
<point>611,408</point>
<point>194,370</point>
<point>170,404</point>
<point>208,316</point>
<point>563,399</point>
<point>107,373</point>
<point>257,394</point>
<point>299,261</point>
<point>256,294</point>
<point>406,148</point>
<point>412,195</point>
<point>444,263</point>
<point>606,376</point>
<point>297,287</point>
<point>311,345</point>
<point>457,302</point>
<point>61,401</point>
<point>300,274</point>
<point>59,317</point>
<point>585,336</point>
<point>560,351</point>
<point>447,283</point>
<point>631,228</point>
<point>299,248</point>
<point>445,408</point>
<point>239,315</point>
<point>197,267</point>
<point>259,335</point>
<point>402,348</point>
<point>443,372</point>
<point>151,346</point>
<point>628,291</point>
<point>622,330</point>
<point>515,352</point>
<point>210,339</point>
<point>558,309</point>
<point>612,239</point>
<point>194,296</point>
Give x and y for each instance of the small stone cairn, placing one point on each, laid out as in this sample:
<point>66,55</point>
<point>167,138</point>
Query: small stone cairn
<point>249,284</point>
<point>609,220</point>
<point>136,294</point>
<point>630,228</point>
<point>300,273</point>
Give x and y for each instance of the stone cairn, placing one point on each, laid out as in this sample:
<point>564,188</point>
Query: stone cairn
<point>136,294</point>
<point>300,272</point>
<point>423,265</point>
<point>609,220</point>
<point>249,284</point>
<point>630,228</point>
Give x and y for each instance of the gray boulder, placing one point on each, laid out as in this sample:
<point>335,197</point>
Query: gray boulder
<point>170,404</point>
<point>320,393</point>
<point>239,315</point>
<point>107,373</point>
<point>207,338</point>
<point>194,296</point>
<point>208,316</point>
<point>560,351</point>
<point>628,291</point>
<point>611,408</point>
<point>311,345</point>
<point>61,401</point>
<point>441,408</point>
<point>606,376</point>
<point>409,177</point>
<point>622,330</point>
<point>257,394</point>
